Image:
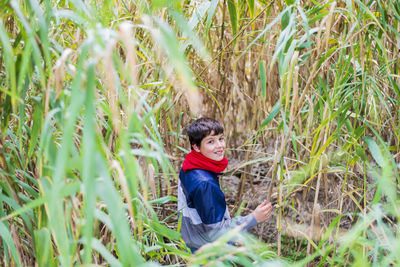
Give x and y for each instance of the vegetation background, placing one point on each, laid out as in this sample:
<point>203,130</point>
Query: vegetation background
<point>94,96</point>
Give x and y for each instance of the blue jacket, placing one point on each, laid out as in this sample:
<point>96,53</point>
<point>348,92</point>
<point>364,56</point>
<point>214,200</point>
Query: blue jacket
<point>205,215</point>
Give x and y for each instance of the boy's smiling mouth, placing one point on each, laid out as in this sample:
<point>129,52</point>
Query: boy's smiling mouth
<point>219,155</point>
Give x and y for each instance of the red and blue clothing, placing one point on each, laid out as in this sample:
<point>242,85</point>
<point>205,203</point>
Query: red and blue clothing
<point>205,215</point>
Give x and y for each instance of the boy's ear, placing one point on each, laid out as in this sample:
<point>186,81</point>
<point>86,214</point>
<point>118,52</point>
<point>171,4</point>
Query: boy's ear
<point>196,148</point>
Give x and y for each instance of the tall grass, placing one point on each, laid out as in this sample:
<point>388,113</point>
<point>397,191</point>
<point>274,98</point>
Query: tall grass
<point>83,135</point>
<point>94,96</point>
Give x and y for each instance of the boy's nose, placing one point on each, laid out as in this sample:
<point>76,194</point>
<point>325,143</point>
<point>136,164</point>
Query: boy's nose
<point>220,143</point>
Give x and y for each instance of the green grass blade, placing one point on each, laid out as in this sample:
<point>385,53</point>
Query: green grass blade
<point>127,250</point>
<point>98,246</point>
<point>250,3</point>
<point>375,150</point>
<point>43,248</point>
<point>8,241</point>
<point>7,54</point>
<point>88,170</point>
<point>210,15</point>
<point>275,110</point>
<point>56,215</point>
<point>263,79</point>
<point>233,16</point>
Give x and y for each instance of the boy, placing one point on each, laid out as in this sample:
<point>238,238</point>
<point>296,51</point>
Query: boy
<point>205,215</point>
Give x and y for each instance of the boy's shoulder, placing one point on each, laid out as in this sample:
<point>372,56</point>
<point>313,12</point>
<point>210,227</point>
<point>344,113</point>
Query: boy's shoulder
<point>195,177</point>
<point>199,174</point>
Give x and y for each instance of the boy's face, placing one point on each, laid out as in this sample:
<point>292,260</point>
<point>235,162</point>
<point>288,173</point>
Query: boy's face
<point>212,146</point>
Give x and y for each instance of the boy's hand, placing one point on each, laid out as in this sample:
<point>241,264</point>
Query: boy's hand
<point>263,212</point>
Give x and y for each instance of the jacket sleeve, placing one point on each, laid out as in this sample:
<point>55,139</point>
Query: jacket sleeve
<point>209,201</point>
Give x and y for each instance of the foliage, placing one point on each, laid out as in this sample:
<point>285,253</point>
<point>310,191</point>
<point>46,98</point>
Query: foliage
<point>93,96</point>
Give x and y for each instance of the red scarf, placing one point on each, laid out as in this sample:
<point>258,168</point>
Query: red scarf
<point>196,160</point>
